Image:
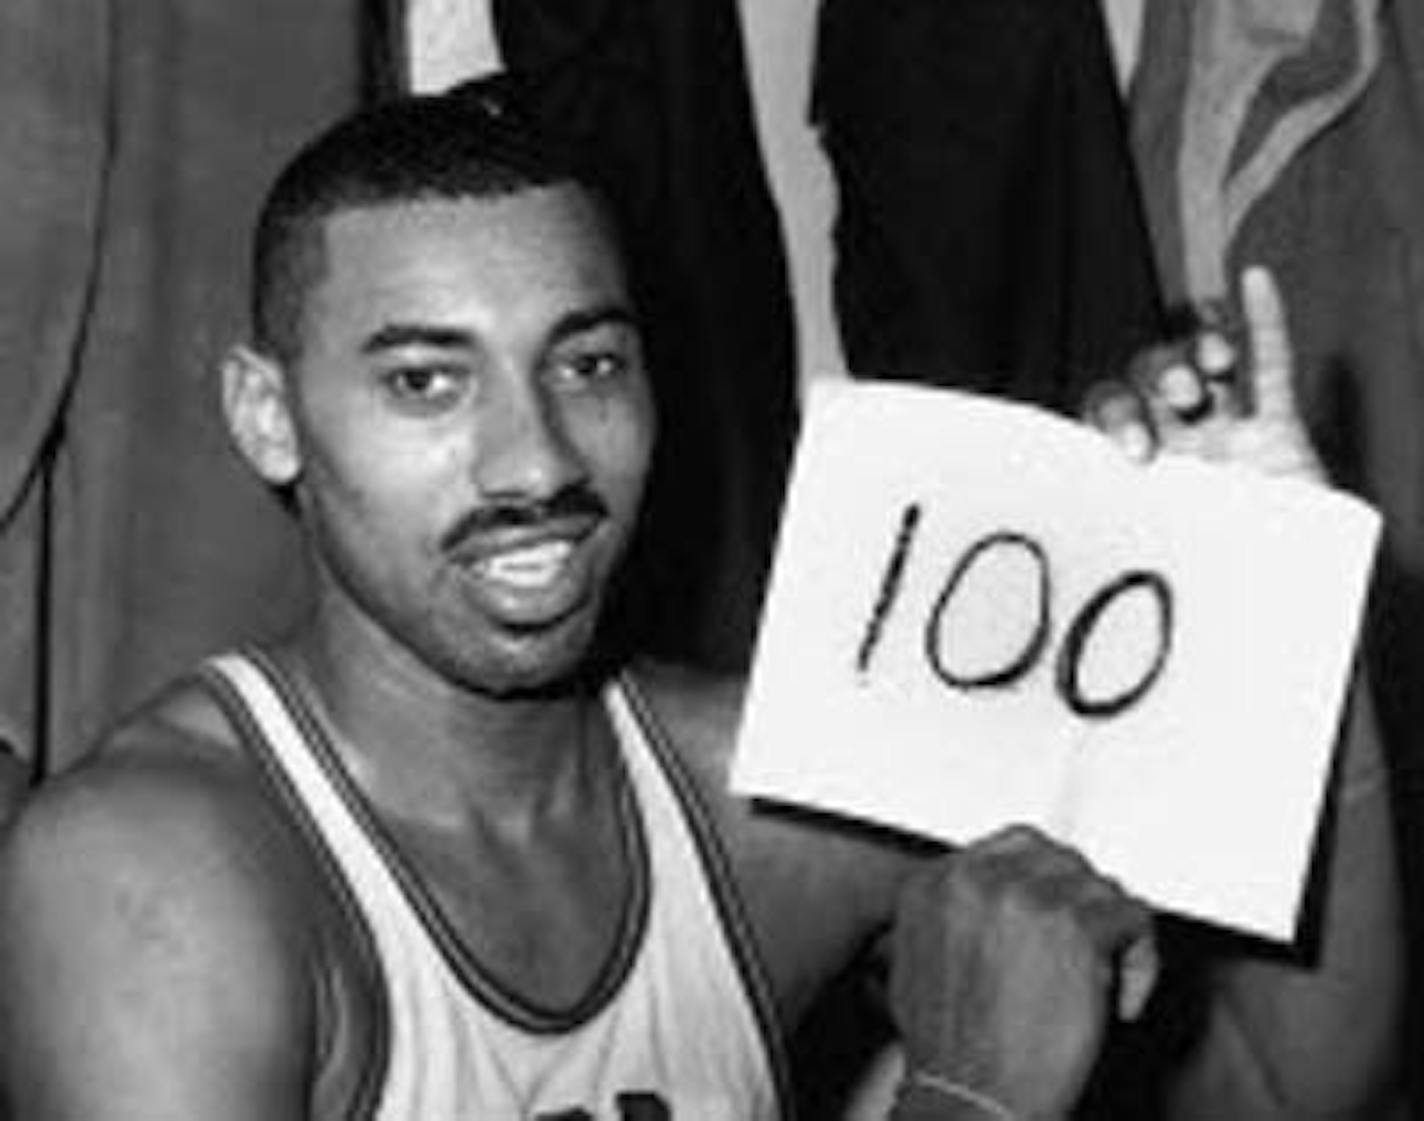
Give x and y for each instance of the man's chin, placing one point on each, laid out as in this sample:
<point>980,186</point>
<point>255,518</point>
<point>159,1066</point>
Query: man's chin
<point>533,663</point>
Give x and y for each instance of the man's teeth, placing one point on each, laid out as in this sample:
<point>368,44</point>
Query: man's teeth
<point>534,567</point>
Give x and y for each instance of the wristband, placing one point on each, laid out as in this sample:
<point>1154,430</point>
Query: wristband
<point>949,1088</point>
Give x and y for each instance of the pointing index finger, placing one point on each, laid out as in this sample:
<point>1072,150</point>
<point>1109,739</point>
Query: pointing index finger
<point>1272,359</point>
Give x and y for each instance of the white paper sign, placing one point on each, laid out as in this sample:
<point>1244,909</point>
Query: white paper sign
<point>981,614</point>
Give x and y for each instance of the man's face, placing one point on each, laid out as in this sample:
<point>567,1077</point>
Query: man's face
<point>474,425</point>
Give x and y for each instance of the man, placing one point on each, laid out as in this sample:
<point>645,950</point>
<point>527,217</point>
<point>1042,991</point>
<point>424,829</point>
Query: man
<point>440,855</point>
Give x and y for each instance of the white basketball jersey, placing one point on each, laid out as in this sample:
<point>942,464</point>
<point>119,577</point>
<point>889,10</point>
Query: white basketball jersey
<point>677,1028</point>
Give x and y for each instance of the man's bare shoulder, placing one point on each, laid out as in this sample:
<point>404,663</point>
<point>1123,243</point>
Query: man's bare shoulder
<point>165,810</point>
<point>153,933</point>
<point>700,711</point>
<point>815,885</point>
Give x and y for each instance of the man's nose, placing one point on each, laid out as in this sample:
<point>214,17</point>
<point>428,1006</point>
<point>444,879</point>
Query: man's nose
<point>523,448</point>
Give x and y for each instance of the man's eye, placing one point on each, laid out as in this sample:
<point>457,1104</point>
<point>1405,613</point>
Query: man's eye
<point>592,367</point>
<point>423,384</point>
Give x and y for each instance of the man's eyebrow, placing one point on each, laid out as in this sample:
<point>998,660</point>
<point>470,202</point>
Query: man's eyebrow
<point>588,319</point>
<point>393,336</point>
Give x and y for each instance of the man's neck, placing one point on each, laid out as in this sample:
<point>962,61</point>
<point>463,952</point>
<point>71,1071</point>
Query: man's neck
<point>425,748</point>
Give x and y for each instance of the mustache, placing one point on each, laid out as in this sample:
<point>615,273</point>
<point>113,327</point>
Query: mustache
<point>575,502</point>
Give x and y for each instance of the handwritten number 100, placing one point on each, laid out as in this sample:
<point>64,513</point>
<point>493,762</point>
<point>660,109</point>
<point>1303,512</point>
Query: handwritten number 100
<point>1067,677</point>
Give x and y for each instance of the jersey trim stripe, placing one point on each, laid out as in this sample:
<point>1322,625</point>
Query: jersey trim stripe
<point>481,984</point>
<point>725,894</point>
<point>367,1096</point>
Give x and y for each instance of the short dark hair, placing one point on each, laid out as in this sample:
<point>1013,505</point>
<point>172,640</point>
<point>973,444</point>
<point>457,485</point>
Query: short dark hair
<point>476,141</point>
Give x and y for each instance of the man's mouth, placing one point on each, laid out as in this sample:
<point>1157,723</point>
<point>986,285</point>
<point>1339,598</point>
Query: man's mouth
<point>530,567</point>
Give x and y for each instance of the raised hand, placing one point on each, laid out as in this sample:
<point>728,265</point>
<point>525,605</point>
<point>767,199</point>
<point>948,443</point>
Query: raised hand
<point>1209,396</point>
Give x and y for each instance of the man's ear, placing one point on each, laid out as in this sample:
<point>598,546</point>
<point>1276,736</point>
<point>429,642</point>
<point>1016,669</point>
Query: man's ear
<point>259,415</point>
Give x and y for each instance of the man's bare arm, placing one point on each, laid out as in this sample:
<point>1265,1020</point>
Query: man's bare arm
<point>143,968</point>
<point>1314,1033</point>
<point>1311,1032</point>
